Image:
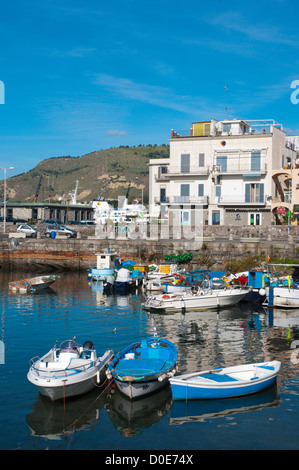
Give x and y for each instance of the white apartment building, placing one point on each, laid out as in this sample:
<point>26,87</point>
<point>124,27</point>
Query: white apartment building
<point>235,172</point>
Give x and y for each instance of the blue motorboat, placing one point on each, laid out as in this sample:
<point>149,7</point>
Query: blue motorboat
<point>144,366</point>
<point>225,382</point>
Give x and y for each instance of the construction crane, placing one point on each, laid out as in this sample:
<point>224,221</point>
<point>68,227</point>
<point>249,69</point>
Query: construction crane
<point>38,187</point>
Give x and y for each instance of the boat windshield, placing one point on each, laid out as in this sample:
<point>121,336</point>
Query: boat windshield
<point>69,346</point>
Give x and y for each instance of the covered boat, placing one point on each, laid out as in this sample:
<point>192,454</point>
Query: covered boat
<point>225,383</point>
<point>144,367</point>
<point>197,299</point>
<point>69,370</point>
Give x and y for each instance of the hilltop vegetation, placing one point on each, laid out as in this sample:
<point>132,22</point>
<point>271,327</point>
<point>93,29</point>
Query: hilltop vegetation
<point>105,173</point>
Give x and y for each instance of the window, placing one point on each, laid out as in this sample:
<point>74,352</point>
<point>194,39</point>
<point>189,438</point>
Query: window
<point>221,161</point>
<point>162,194</point>
<point>226,127</point>
<point>185,163</point>
<point>254,193</point>
<point>185,192</point>
<point>201,190</point>
<point>215,218</point>
<point>34,214</point>
<point>218,191</point>
<point>185,217</point>
<point>255,219</point>
<point>255,161</point>
<point>201,160</point>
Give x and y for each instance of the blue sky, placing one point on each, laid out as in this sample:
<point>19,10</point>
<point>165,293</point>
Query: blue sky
<point>81,76</point>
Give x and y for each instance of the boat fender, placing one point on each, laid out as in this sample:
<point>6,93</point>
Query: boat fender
<point>262,292</point>
<point>108,374</point>
<point>162,377</point>
<point>98,377</point>
<point>165,296</point>
<point>170,374</point>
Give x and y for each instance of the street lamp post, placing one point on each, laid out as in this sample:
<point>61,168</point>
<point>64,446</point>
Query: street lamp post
<point>4,198</point>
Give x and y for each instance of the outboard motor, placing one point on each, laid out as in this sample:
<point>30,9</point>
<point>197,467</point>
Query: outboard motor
<point>88,345</point>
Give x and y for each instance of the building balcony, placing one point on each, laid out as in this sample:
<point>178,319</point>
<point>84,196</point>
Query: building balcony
<point>244,170</point>
<point>240,200</point>
<point>200,200</point>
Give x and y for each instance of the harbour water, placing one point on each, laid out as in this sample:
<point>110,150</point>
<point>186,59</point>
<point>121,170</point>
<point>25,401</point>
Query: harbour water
<point>104,419</point>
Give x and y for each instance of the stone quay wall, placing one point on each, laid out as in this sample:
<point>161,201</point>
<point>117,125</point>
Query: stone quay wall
<point>220,246</point>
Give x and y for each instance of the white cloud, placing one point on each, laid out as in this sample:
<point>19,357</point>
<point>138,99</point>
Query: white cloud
<point>234,21</point>
<point>154,95</point>
<point>116,132</point>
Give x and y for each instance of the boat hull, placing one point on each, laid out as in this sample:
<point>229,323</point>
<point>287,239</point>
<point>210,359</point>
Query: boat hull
<point>70,382</point>
<point>140,389</point>
<point>282,297</point>
<point>192,387</point>
<point>33,284</point>
<point>96,274</point>
<point>208,300</point>
<point>70,390</point>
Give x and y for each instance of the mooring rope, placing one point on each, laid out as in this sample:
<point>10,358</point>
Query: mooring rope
<point>110,381</point>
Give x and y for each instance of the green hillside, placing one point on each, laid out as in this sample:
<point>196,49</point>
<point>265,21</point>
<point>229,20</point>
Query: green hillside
<point>106,173</point>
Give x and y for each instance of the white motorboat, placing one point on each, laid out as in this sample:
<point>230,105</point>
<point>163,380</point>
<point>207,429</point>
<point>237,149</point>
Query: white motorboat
<point>282,296</point>
<point>199,299</point>
<point>69,370</point>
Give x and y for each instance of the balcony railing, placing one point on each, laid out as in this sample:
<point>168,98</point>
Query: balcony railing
<point>182,200</point>
<point>239,199</point>
<point>233,168</point>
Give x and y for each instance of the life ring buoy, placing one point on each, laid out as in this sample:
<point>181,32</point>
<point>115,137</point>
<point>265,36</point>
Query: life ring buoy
<point>165,296</point>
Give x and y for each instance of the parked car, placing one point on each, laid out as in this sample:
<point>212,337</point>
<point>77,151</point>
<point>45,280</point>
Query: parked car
<point>9,218</point>
<point>87,222</point>
<point>28,229</point>
<point>60,230</point>
<point>52,222</point>
<point>73,222</point>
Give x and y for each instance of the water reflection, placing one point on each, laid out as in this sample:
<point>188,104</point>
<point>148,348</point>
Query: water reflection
<point>59,420</point>
<point>131,417</point>
<point>31,324</point>
<point>203,410</point>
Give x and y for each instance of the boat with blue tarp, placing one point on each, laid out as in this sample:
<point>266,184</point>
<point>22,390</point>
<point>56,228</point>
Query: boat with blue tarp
<point>144,366</point>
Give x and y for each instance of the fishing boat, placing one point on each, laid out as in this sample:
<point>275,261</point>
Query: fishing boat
<point>199,278</point>
<point>68,370</point>
<point>144,367</point>
<point>225,383</point>
<point>33,284</point>
<point>105,266</point>
<point>195,299</point>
